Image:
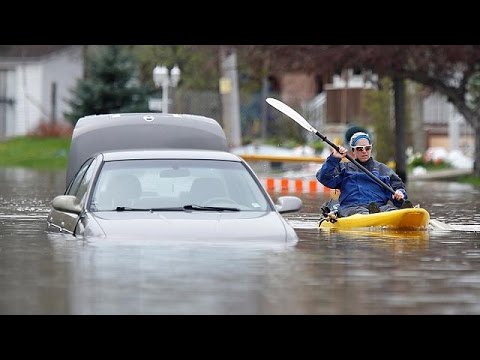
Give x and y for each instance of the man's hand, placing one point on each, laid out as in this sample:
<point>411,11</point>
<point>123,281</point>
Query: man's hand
<point>398,195</point>
<point>341,153</point>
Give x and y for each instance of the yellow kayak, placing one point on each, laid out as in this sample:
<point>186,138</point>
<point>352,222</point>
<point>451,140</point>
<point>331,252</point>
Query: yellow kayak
<point>402,219</point>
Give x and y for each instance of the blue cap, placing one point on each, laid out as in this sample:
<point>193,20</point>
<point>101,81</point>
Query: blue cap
<point>357,136</point>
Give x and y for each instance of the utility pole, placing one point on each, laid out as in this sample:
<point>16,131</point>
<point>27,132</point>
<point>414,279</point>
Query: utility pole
<point>399,96</point>
<point>264,96</point>
<point>264,116</point>
<point>230,96</point>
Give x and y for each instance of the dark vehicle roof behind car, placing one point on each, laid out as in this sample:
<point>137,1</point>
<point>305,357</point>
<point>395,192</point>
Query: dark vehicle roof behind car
<point>97,133</point>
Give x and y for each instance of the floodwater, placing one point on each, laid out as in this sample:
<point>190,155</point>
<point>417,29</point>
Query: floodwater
<point>351,272</point>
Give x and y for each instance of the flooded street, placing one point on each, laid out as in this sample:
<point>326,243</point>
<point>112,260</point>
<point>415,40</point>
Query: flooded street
<point>342,272</point>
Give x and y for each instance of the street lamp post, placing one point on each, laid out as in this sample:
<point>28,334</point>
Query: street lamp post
<point>163,79</point>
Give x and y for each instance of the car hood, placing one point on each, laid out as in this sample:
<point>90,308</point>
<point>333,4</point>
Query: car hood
<point>196,225</point>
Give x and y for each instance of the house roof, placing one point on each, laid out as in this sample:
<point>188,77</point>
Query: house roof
<point>28,51</point>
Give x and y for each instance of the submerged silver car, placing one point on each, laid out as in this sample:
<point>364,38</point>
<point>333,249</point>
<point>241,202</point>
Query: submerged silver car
<point>171,178</point>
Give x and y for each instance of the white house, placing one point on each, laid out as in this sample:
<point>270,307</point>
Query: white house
<point>35,84</point>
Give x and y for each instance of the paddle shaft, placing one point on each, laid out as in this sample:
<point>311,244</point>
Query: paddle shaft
<point>355,161</point>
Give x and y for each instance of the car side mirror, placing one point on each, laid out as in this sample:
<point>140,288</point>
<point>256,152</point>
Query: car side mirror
<point>286,204</point>
<point>67,203</point>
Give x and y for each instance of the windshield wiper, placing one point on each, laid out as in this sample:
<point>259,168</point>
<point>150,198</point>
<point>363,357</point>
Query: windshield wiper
<point>209,208</point>
<point>124,208</point>
<point>186,207</point>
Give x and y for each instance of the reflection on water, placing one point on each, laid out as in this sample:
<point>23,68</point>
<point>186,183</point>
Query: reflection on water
<point>396,241</point>
<point>327,272</point>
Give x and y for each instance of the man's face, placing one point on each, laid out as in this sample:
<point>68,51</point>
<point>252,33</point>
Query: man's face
<point>362,150</point>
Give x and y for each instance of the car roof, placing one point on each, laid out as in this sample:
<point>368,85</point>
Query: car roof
<point>142,154</point>
<point>97,133</point>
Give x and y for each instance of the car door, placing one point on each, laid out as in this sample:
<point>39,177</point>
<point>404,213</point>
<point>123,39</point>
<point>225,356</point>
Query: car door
<point>61,221</point>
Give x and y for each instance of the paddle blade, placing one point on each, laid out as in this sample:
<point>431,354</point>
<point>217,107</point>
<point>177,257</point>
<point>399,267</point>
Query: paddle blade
<point>287,110</point>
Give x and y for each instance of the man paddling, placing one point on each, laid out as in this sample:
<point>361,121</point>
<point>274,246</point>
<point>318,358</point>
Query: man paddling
<point>358,193</point>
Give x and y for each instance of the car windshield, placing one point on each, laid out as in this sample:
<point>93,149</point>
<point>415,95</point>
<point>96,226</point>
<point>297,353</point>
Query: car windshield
<point>177,185</point>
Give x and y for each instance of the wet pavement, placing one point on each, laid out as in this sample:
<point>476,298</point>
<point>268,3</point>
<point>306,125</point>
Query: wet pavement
<point>349,272</point>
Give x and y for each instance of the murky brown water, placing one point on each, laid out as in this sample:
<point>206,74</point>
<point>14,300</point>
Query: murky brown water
<point>434,272</point>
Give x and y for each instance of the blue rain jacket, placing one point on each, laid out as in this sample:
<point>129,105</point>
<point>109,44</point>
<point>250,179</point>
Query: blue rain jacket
<point>356,187</point>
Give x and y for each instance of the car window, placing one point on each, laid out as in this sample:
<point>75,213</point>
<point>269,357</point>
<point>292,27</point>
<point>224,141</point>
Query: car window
<point>74,185</point>
<point>82,181</point>
<point>85,182</point>
<point>175,183</point>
